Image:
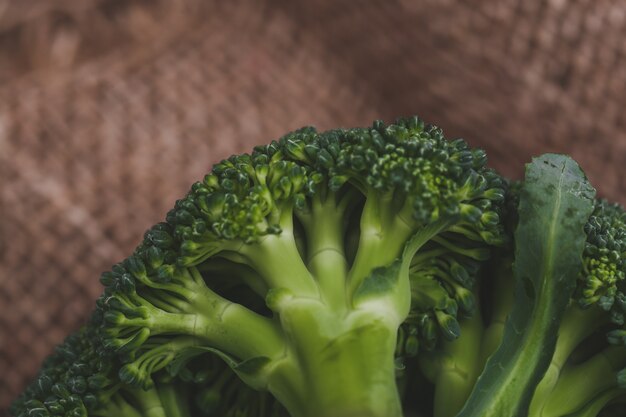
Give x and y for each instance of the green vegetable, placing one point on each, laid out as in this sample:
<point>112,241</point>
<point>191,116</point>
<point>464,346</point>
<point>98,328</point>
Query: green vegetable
<point>380,272</point>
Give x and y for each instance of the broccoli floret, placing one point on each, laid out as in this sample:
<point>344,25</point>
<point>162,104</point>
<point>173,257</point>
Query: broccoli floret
<point>336,241</point>
<point>175,377</point>
<point>81,379</point>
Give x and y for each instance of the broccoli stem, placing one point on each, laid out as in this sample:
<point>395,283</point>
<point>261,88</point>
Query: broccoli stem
<point>459,368</point>
<point>343,364</point>
<point>501,299</point>
<point>593,408</point>
<point>336,365</point>
<point>577,325</point>
<point>116,406</point>
<point>227,326</point>
<point>154,318</point>
<point>326,256</point>
<point>149,402</point>
<point>234,329</point>
<point>175,403</point>
<point>579,385</point>
<point>277,259</point>
<point>382,237</point>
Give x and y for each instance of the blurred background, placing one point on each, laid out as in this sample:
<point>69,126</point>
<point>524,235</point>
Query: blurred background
<point>111,109</point>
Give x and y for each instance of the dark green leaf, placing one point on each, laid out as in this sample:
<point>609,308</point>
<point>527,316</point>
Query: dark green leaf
<point>555,203</point>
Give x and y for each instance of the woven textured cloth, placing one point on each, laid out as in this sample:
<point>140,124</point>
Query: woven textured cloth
<point>110,109</point>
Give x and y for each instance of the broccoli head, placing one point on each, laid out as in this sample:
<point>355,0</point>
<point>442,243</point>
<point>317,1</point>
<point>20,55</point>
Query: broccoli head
<point>381,271</point>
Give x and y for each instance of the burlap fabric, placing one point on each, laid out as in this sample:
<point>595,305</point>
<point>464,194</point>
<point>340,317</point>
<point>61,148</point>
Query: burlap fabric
<point>110,109</point>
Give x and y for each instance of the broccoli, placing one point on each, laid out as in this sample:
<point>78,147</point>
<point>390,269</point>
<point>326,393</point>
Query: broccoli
<point>380,271</point>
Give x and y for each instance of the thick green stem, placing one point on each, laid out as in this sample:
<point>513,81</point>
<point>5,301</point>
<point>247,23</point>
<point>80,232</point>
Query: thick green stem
<point>336,365</point>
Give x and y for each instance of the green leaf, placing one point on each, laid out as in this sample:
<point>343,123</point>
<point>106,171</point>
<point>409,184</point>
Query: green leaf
<point>555,202</point>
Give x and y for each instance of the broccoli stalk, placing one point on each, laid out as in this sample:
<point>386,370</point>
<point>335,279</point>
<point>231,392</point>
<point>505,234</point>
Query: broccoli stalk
<point>454,367</point>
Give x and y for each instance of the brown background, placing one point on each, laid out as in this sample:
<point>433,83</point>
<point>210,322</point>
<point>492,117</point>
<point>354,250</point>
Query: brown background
<point>110,109</point>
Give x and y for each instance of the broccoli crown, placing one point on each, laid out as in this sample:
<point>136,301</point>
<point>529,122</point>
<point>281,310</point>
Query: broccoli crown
<point>313,216</point>
<point>364,271</point>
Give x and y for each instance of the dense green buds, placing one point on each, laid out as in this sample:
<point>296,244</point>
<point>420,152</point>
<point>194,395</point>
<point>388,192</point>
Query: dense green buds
<point>603,279</point>
<point>70,380</point>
